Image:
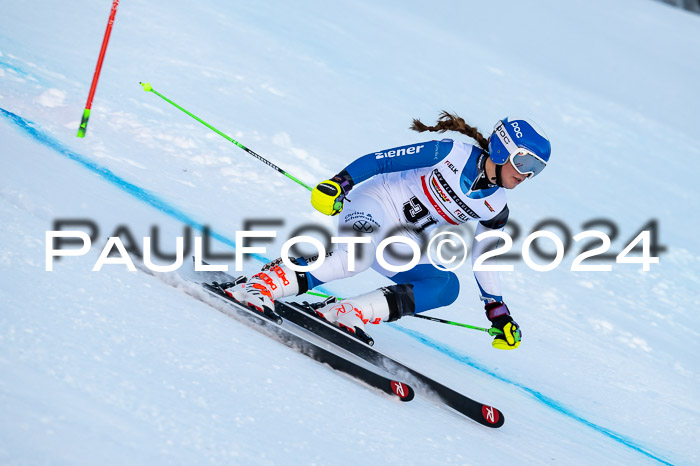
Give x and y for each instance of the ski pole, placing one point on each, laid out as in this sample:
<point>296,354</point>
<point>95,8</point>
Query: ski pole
<point>490,331</point>
<point>88,106</point>
<point>148,88</point>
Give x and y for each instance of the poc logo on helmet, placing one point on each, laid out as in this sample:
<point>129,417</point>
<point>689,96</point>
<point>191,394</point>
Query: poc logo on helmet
<point>516,127</point>
<point>503,133</point>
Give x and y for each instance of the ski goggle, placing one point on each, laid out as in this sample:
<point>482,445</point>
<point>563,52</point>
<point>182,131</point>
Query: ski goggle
<point>527,163</point>
<point>523,160</point>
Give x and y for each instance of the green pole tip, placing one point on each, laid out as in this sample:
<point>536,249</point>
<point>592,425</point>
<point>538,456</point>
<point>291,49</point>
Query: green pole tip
<point>147,87</point>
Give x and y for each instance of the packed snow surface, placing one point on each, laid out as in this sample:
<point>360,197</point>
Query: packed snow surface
<point>119,367</point>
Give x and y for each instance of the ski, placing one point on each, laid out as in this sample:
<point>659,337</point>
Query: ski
<point>272,327</point>
<point>304,316</point>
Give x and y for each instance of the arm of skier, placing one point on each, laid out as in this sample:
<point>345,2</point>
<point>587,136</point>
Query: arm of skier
<point>398,159</point>
<point>490,286</point>
<point>488,281</point>
<point>327,197</point>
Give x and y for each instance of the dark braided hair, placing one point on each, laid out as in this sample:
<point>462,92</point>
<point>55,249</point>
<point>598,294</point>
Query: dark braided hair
<point>452,122</point>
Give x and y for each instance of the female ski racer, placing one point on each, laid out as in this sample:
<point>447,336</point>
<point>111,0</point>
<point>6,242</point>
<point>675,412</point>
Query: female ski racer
<point>410,191</point>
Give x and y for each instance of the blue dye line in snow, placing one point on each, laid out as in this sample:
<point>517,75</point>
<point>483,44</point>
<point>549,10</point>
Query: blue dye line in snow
<point>146,196</point>
<point>16,70</point>
<point>136,191</point>
<point>544,399</point>
<point>142,194</point>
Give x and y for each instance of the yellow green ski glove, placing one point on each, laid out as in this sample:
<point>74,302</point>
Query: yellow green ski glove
<point>500,318</point>
<point>328,196</point>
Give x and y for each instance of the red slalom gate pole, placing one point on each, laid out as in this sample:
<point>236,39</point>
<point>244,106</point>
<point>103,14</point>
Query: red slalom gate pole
<point>98,68</point>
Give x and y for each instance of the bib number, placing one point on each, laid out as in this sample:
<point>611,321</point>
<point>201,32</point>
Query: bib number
<point>417,214</point>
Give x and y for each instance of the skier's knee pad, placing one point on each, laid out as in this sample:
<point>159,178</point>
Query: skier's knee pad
<point>401,301</point>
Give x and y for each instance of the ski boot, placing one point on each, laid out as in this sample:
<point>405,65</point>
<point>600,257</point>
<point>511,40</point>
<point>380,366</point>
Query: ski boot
<point>261,290</point>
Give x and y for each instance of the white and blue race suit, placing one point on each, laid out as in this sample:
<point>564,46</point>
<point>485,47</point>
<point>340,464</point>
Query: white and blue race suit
<point>411,191</point>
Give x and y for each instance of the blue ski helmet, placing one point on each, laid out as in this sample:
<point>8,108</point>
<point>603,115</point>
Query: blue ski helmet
<point>522,142</point>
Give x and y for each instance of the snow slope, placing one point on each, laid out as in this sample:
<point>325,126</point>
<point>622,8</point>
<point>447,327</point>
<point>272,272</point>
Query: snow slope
<point>120,367</point>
